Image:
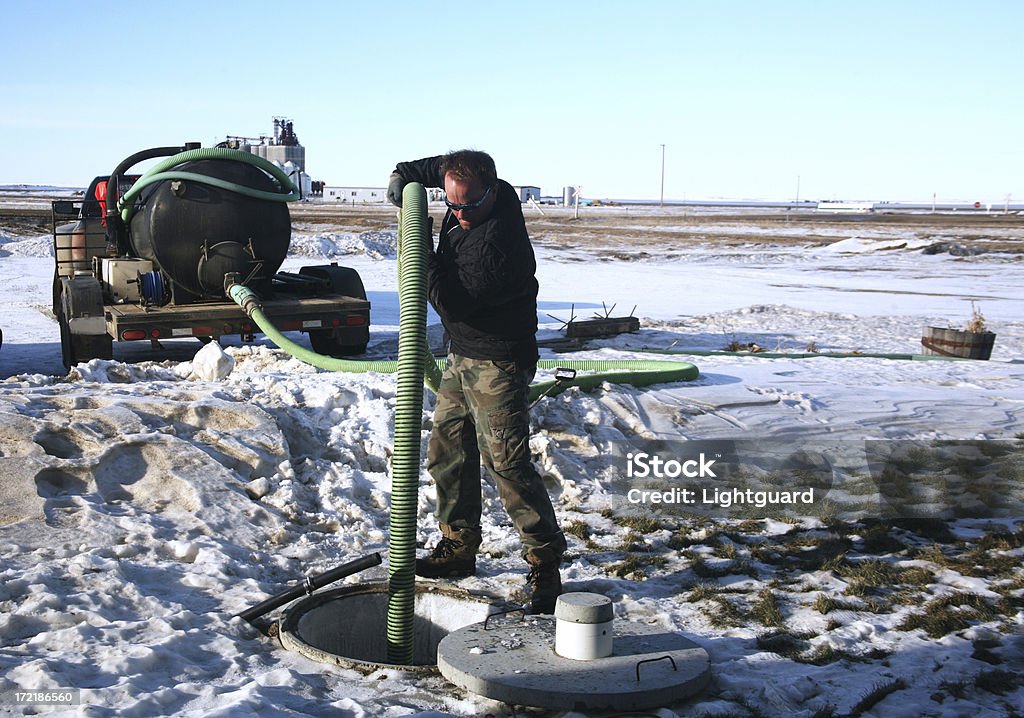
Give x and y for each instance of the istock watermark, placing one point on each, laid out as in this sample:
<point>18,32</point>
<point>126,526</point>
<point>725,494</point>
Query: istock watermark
<point>842,479</point>
<point>643,465</point>
<point>721,498</point>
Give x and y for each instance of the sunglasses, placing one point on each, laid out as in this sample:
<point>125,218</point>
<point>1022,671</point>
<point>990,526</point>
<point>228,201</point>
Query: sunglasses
<point>468,205</point>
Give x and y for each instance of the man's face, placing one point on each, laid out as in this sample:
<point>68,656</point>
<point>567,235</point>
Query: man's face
<point>468,192</point>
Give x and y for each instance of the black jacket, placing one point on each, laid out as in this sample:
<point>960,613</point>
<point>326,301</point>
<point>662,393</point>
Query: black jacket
<point>482,282</point>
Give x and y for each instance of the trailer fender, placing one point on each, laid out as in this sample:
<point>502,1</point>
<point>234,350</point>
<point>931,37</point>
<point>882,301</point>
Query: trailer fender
<point>82,305</point>
<point>343,280</point>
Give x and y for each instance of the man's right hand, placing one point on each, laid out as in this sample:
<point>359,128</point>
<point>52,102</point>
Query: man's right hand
<point>395,186</point>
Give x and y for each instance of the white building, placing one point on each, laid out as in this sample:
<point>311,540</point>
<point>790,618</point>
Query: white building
<point>355,195</point>
<point>835,205</point>
<point>528,192</point>
<point>371,195</point>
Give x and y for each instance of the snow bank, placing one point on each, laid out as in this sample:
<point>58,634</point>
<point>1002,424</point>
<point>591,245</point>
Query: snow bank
<point>33,247</point>
<point>335,245</point>
<point>859,245</point>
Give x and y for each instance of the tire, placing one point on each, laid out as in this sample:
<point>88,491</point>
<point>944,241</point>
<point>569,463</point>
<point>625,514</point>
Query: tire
<point>78,348</point>
<point>93,346</point>
<point>346,282</point>
<point>56,293</point>
<point>324,342</point>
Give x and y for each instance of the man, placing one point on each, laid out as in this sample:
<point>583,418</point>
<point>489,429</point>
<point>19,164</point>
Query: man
<point>482,283</point>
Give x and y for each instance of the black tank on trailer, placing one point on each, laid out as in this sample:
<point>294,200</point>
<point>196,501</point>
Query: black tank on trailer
<point>195,233</point>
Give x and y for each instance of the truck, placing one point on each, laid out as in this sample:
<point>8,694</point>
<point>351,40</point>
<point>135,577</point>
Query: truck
<point>150,257</point>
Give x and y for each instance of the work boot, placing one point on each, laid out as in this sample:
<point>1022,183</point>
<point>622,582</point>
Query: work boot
<point>544,580</point>
<point>453,557</point>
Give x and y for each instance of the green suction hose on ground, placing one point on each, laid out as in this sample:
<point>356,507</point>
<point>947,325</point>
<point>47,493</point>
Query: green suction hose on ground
<point>164,171</point>
<point>637,372</point>
<point>250,303</point>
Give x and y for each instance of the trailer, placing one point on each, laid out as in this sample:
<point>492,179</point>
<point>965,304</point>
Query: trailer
<point>148,258</point>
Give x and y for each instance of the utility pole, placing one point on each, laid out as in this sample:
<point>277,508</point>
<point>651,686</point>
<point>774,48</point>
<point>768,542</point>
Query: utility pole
<point>662,202</point>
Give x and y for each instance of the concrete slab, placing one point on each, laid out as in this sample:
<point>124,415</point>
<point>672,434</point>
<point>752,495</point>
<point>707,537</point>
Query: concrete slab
<point>515,662</point>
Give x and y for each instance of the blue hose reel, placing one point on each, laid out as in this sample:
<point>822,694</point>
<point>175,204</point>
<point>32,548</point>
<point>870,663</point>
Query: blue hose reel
<point>151,284</point>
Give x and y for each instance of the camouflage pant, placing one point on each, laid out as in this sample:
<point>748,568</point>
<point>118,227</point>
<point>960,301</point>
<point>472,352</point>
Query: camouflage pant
<point>483,411</point>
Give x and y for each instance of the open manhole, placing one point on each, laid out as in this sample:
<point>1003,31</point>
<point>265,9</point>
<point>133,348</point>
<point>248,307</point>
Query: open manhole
<point>347,626</point>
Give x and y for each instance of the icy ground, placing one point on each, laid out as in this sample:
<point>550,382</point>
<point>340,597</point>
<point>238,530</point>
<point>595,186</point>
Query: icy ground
<point>141,505</point>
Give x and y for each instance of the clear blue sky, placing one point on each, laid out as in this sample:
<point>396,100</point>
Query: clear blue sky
<point>859,100</point>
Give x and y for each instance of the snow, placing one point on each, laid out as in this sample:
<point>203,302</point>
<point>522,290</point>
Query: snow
<point>332,245</point>
<point>147,500</point>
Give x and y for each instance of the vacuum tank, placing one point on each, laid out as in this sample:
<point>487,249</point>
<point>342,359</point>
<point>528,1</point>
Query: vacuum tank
<point>196,232</point>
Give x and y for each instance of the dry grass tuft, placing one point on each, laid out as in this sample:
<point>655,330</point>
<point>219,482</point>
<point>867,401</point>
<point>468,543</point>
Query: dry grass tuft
<point>579,529</point>
<point>703,592</point>
<point>948,614</point>
<point>725,613</point>
<point>635,565</point>
<point>977,323</point>
<point>999,682</point>
<point>876,695</point>
<point>766,609</point>
<point>642,524</point>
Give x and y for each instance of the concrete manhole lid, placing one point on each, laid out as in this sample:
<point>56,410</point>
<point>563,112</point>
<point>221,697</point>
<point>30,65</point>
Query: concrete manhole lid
<point>516,663</point>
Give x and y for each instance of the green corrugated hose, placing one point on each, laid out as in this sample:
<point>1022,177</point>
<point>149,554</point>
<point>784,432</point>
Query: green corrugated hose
<point>250,303</point>
<point>163,171</point>
<point>637,372</point>
<point>405,461</point>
